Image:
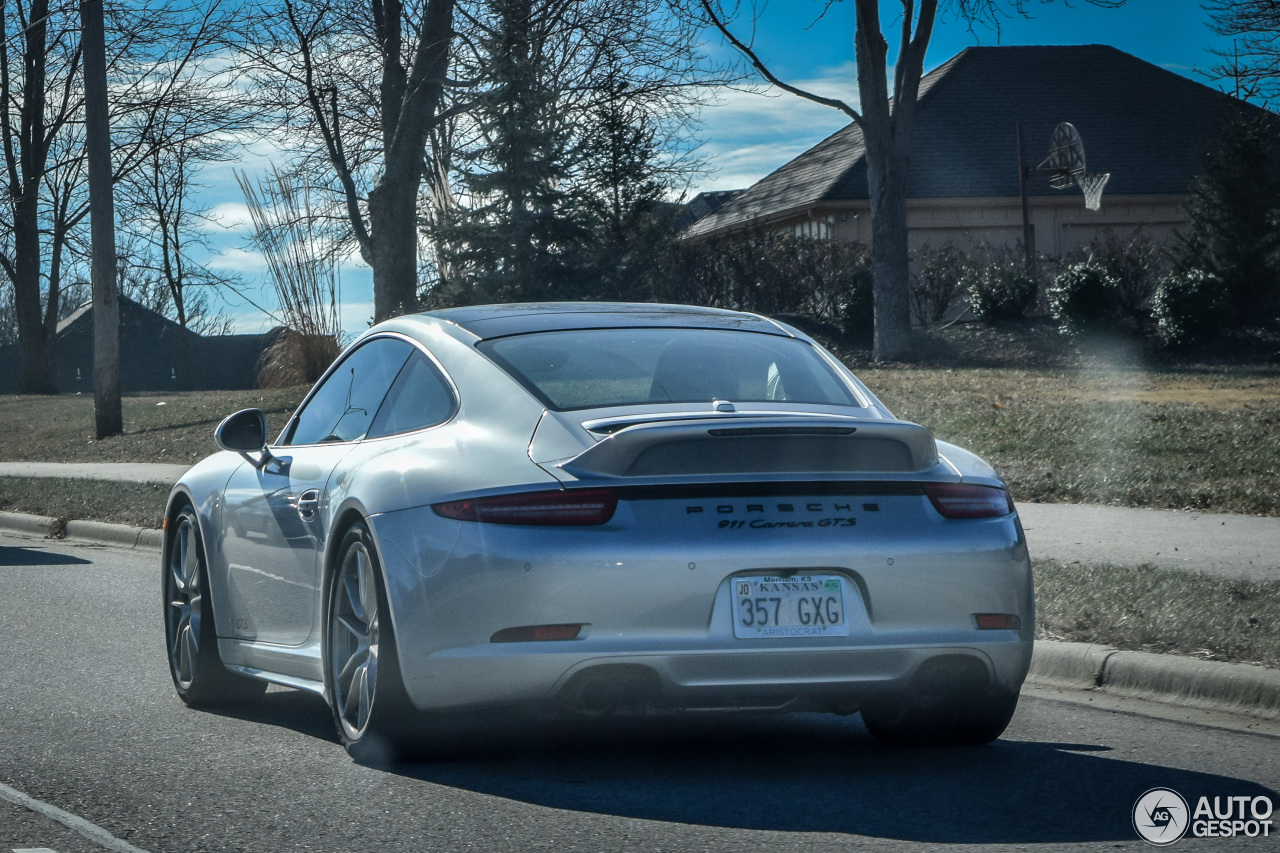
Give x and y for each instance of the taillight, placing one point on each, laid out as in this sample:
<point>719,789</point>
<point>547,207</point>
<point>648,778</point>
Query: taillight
<point>575,506</point>
<point>965,500</point>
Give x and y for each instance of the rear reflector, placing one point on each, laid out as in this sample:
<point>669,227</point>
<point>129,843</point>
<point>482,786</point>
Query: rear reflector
<point>964,500</point>
<point>576,506</point>
<point>536,633</point>
<point>998,621</point>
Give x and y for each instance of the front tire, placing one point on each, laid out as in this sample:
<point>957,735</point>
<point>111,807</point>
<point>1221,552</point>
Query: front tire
<point>370,708</point>
<point>199,676</point>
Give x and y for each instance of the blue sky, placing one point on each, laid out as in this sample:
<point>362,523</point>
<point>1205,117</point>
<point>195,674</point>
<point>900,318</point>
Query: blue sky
<point>748,134</point>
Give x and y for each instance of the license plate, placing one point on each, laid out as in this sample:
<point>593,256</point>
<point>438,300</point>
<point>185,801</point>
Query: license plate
<point>791,606</point>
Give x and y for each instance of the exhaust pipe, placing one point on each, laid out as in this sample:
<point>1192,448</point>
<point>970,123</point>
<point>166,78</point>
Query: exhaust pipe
<point>610,688</point>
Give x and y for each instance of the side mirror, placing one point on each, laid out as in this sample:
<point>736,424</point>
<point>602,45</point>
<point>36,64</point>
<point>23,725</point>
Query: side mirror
<point>245,432</point>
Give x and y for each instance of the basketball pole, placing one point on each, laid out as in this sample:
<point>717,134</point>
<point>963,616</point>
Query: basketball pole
<point>1028,233</point>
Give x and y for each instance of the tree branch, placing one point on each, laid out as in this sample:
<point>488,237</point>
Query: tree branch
<point>768,75</point>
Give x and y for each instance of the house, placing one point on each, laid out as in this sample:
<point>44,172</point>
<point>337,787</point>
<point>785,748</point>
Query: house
<point>1146,126</point>
<point>156,354</point>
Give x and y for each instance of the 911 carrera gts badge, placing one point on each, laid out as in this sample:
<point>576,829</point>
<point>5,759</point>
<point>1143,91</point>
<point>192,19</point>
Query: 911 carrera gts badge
<point>766,524</point>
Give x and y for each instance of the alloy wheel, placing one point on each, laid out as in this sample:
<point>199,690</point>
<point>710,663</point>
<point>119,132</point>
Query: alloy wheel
<point>353,639</point>
<point>185,601</point>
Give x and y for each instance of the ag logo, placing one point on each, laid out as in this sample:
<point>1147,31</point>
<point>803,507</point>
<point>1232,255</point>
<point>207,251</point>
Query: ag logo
<point>1160,816</point>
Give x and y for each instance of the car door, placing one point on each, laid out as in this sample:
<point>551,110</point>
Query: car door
<point>276,518</point>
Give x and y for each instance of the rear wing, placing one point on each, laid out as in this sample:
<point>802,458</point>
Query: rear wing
<point>717,446</point>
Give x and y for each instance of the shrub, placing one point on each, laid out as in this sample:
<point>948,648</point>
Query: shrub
<point>1084,299</point>
<point>857,306</point>
<point>1001,290</point>
<point>1189,307</point>
<point>938,282</point>
<point>1135,261</point>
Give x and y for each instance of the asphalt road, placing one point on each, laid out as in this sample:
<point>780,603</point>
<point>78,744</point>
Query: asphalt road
<point>89,725</point>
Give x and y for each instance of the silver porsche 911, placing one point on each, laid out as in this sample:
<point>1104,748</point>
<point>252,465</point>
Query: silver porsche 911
<point>593,507</point>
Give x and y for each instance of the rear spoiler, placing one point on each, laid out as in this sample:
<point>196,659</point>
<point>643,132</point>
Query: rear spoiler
<point>758,446</point>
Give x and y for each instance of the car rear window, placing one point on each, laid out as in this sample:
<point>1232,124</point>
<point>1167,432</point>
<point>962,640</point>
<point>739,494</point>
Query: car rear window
<point>593,368</point>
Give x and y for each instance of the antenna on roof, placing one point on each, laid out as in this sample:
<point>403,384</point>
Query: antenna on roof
<point>1066,166</point>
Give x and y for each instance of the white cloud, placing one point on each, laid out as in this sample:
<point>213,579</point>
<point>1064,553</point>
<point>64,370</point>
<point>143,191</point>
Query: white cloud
<point>750,133</point>
<point>355,317</point>
<point>247,320</point>
<point>236,260</point>
<point>232,216</point>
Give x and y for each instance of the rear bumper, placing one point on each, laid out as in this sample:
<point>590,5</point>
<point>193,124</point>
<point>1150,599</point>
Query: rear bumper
<point>825,677</point>
<point>658,607</point>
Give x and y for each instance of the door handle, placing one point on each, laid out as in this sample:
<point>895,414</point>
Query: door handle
<point>308,503</point>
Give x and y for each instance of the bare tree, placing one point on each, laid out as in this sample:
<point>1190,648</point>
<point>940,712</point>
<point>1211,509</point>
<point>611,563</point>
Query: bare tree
<point>1253,63</point>
<point>163,213</point>
<point>885,115</point>
<point>141,276</point>
<point>370,80</point>
<point>152,53</point>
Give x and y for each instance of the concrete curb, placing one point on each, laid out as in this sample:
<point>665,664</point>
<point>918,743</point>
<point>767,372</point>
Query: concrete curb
<point>1235,688</point>
<point>1252,691</point>
<point>92,531</point>
<point>31,525</point>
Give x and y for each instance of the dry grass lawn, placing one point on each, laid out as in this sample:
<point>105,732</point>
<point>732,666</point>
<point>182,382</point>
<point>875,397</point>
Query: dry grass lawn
<point>1182,439</point>
<point>171,428</point>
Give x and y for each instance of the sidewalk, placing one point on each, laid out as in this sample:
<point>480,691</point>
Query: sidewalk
<point>120,472</point>
<point>1239,546</point>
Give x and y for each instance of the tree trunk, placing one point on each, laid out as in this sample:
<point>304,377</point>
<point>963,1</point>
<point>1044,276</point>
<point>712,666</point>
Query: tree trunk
<point>393,245</point>
<point>37,341</point>
<point>886,133</point>
<point>27,166</point>
<point>408,108</point>
<point>890,278</point>
<point>37,363</point>
<point>108,413</point>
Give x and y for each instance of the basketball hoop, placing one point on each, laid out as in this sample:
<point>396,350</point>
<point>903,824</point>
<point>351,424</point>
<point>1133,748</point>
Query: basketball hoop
<point>1092,183</point>
<point>1066,156</point>
<point>1066,166</point>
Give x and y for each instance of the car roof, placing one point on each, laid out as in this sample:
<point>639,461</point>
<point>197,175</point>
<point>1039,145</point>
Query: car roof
<point>495,321</point>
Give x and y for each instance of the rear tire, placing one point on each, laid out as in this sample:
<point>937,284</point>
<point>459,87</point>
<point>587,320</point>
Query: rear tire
<point>960,722</point>
<point>199,676</point>
<point>371,709</point>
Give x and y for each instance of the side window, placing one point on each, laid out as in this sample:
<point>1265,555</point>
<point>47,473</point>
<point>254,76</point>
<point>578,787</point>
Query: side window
<point>343,407</point>
<point>419,398</point>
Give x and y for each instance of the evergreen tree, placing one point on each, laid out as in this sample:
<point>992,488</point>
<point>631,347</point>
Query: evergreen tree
<point>1234,220</point>
<point>519,239</point>
<point>622,196</point>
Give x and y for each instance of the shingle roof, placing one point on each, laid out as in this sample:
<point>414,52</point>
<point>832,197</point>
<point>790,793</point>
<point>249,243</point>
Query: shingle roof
<point>1147,126</point>
<point>704,204</point>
